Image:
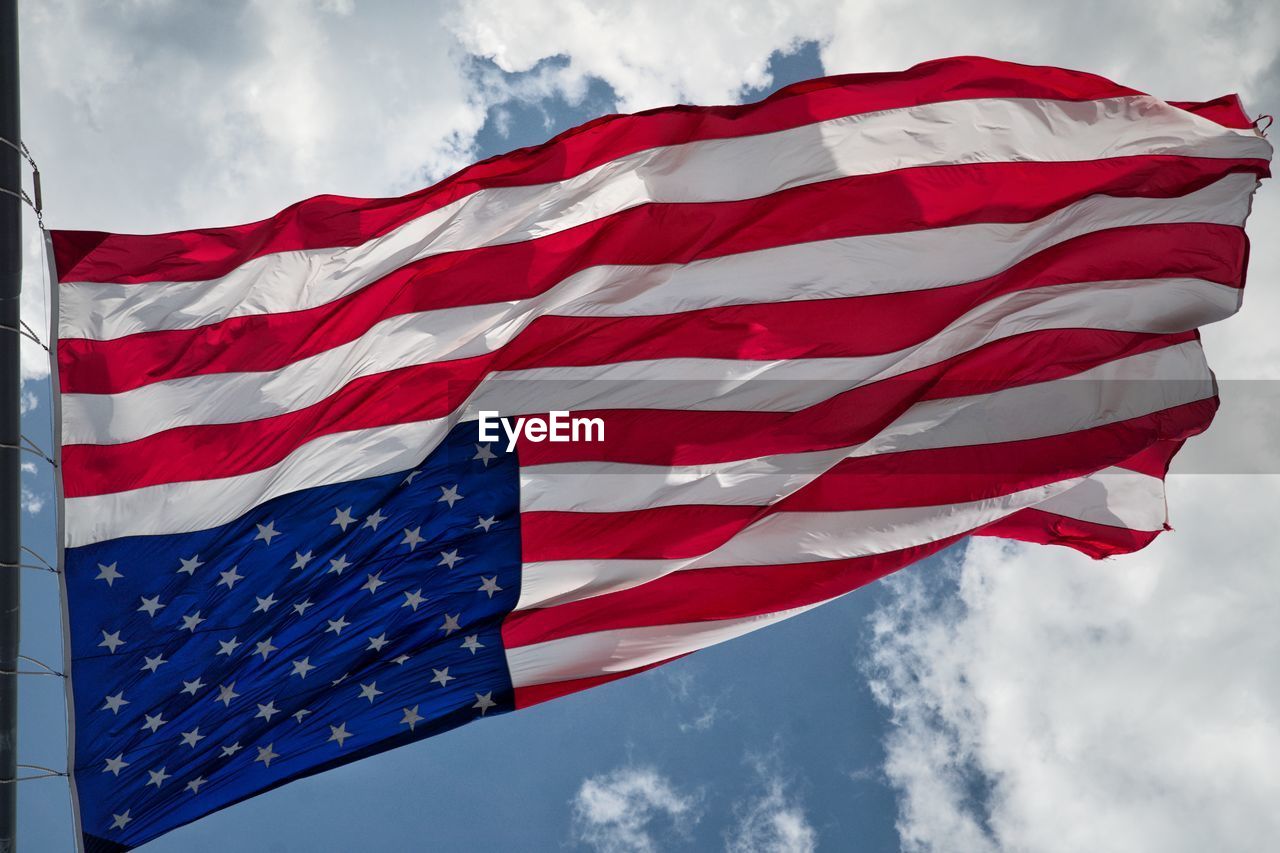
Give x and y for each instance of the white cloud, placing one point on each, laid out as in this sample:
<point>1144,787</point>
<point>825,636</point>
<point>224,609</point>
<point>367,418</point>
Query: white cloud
<point>653,53</point>
<point>690,700</point>
<point>631,810</point>
<point>773,821</point>
<point>155,115</point>
<point>1130,704</point>
<point>32,502</point>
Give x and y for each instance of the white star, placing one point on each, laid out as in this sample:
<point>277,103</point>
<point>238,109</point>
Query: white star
<point>226,692</point>
<point>412,538</point>
<point>489,585</point>
<point>230,577</point>
<point>111,641</point>
<point>265,604</point>
<point>340,734</point>
<point>373,583</point>
<point>472,642</point>
<point>369,691</point>
<point>265,755</point>
<point>336,625</point>
<point>228,751</point>
<point>449,496</point>
<point>192,737</point>
<point>114,703</point>
<point>302,606</point>
<point>485,523</point>
<point>375,519</point>
<point>484,454</point>
<point>302,667</point>
<point>450,624</point>
<point>152,664</point>
<point>265,648</point>
<point>449,558</point>
<point>411,717</point>
<point>192,686</point>
<point>376,643</point>
<point>228,646</point>
<point>484,701</point>
<point>157,777</point>
<point>190,566</point>
<point>108,574</point>
<point>399,660</point>
<point>300,560</point>
<point>150,605</point>
<point>336,566</point>
<point>343,518</point>
<point>413,599</point>
<point>119,820</point>
<point>267,532</point>
<point>301,713</point>
<point>339,679</point>
<point>409,479</point>
<point>442,677</point>
<point>190,622</point>
<point>115,765</point>
<point>194,785</point>
<point>154,723</point>
<point>267,711</point>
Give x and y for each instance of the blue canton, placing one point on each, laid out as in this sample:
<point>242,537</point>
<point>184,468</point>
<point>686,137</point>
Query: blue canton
<point>322,627</point>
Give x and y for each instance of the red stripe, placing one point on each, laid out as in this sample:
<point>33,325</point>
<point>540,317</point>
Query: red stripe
<point>660,533</point>
<point>1226,111</point>
<point>534,693</point>
<point>680,532</point>
<point>952,475</point>
<point>686,437</point>
<point>1155,460</point>
<point>704,595</point>
<point>330,221</point>
<point>1046,528</point>
<point>212,451</point>
<point>907,200</point>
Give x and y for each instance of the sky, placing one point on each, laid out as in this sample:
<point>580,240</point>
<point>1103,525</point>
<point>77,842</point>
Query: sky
<point>999,697</point>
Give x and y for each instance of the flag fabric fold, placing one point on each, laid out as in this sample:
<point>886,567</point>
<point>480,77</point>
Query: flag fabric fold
<point>826,335</point>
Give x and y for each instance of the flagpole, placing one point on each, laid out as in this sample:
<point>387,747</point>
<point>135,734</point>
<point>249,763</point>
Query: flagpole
<point>10,427</point>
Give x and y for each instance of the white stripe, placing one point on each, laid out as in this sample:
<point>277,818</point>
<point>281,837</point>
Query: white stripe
<point>616,651</point>
<point>622,487</point>
<point>180,507</point>
<point>1115,497</point>
<point>783,538</point>
<point>1150,305</point>
<point>955,132</point>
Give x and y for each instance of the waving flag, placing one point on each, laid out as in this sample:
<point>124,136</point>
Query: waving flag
<point>824,336</point>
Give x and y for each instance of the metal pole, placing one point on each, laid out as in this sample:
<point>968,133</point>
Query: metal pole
<point>10,428</point>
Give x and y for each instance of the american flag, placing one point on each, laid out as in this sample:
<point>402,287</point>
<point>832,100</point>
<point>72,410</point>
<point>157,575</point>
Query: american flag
<point>828,334</point>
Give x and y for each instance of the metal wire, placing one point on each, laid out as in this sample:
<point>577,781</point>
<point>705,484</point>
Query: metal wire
<point>46,563</point>
<point>26,332</point>
<point>32,448</point>
<point>28,566</point>
<point>46,773</point>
